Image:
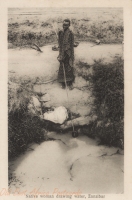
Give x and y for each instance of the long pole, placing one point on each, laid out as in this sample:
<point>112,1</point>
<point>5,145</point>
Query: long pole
<point>67,93</point>
<point>64,80</point>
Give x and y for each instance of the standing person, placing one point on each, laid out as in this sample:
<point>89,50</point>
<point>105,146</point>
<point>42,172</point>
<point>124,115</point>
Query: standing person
<point>66,54</point>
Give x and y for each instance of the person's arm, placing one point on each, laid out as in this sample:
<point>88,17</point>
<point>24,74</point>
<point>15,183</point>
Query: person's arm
<point>72,40</point>
<point>59,43</point>
<point>59,40</point>
<point>72,46</point>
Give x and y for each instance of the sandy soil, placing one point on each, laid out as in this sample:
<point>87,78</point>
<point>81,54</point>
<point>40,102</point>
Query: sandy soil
<point>32,63</point>
<point>66,163</point>
<point>45,65</point>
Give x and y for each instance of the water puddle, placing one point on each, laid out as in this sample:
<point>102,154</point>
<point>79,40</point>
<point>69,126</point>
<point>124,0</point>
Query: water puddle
<point>70,164</point>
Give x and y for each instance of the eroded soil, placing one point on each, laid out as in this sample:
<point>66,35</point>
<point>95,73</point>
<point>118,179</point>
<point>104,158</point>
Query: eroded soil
<point>66,163</point>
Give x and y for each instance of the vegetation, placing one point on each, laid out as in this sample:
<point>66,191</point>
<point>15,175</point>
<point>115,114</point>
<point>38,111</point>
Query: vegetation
<point>43,32</point>
<point>23,127</point>
<point>107,80</point>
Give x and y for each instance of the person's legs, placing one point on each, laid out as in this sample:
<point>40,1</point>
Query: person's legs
<point>63,85</point>
<point>61,75</point>
<point>68,72</point>
<point>69,84</point>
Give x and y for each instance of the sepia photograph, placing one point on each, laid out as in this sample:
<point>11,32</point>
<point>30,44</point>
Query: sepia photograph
<point>65,101</point>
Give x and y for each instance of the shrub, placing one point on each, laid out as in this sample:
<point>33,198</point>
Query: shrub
<point>84,30</point>
<point>107,80</point>
<point>23,127</point>
<point>108,89</point>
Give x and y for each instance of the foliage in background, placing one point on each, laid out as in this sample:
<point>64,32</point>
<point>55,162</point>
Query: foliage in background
<point>107,80</point>
<point>43,32</point>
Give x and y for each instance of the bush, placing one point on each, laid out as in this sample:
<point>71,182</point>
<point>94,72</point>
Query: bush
<point>108,90</point>
<point>84,30</point>
<point>23,127</point>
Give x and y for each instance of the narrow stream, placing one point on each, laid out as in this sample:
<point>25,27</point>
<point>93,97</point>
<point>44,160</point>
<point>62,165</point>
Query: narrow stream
<point>66,163</point>
<point>69,164</point>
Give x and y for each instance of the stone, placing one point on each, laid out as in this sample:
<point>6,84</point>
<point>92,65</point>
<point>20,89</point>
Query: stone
<point>58,116</point>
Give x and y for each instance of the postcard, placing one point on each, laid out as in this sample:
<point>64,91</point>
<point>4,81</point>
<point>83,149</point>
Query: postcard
<point>66,100</point>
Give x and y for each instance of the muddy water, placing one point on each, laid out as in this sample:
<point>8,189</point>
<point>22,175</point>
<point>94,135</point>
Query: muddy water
<point>66,163</point>
<point>69,164</point>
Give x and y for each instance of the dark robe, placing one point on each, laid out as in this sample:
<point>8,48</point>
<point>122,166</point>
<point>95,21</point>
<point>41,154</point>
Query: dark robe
<point>66,54</point>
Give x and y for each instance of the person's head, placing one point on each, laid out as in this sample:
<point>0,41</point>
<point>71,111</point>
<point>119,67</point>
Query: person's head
<point>66,24</point>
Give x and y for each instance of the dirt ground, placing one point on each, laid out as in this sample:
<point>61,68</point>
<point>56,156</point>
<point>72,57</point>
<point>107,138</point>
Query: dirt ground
<point>65,163</point>
<point>31,63</point>
<point>28,62</point>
